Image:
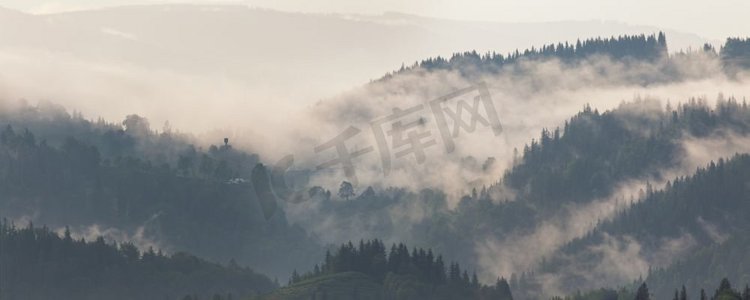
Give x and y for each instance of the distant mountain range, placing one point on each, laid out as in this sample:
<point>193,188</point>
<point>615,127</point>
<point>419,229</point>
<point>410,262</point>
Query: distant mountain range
<point>265,52</point>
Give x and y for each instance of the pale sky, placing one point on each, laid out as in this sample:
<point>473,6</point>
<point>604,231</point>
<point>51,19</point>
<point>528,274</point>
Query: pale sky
<point>715,19</point>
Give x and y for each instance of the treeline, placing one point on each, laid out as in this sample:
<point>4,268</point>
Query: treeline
<point>420,274</point>
<point>634,47</point>
<point>734,55</point>
<point>37,263</point>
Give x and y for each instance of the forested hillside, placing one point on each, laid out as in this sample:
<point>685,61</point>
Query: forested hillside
<point>636,48</point>
<point>580,211</point>
<point>706,212</point>
<point>647,52</point>
<point>595,151</point>
<point>36,263</point>
<point>132,180</point>
<point>581,163</point>
<point>709,260</point>
<point>179,206</point>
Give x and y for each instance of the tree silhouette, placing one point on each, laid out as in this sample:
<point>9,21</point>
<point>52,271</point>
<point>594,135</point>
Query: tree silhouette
<point>642,293</point>
<point>346,190</point>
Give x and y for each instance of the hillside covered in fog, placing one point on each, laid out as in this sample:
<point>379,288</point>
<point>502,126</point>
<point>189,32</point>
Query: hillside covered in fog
<point>206,157</point>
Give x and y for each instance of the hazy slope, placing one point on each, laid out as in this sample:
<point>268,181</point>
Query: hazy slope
<point>41,264</point>
<point>695,228</point>
<point>145,58</point>
<point>127,183</point>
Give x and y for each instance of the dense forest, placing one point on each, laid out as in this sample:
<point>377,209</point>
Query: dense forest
<point>155,183</point>
<point>735,55</point>
<point>596,150</point>
<point>692,209</point>
<point>37,263</point>
<point>606,147</point>
<point>578,164</point>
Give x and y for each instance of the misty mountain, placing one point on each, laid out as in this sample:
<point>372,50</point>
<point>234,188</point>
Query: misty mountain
<point>660,235</point>
<point>562,186</point>
<point>127,183</point>
<point>697,223</point>
<point>580,206</point>
<point>531,89</point>
<point>629,50</point>
<point>728,257</point>
<point>231,39</point>
<point>178,55</point>
<point>626,48</point>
